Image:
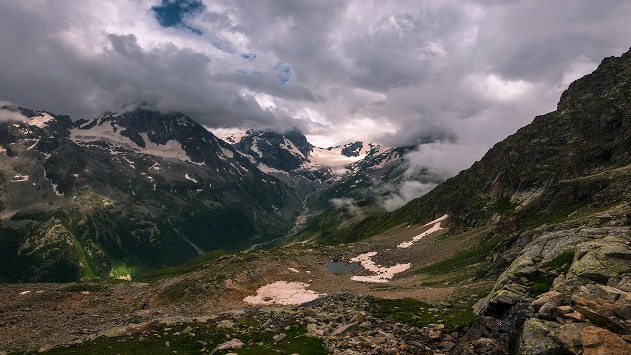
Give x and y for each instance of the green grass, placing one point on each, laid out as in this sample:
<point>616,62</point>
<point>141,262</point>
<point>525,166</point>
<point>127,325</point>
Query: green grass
<point>503,205</point>
<point>413,312</point>
<point>88,273</point>
<point>442,237</point>
<point>462,258</point>
<point>558,217</point>
<point>120,269</point>
<point>561,263</point>
<point>542,284</point>
<point>172,338</point>
<point>189,266</point>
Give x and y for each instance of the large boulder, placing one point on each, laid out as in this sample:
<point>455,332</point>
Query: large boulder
<point>599,341</point>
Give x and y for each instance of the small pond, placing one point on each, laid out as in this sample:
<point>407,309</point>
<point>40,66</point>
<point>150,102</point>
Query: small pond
<point>340,267</point>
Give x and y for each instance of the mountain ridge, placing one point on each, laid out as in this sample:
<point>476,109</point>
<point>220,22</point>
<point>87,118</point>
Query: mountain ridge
<point>102,170</point>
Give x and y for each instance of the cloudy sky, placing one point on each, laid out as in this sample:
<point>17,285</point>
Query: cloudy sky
<point>452,76</point>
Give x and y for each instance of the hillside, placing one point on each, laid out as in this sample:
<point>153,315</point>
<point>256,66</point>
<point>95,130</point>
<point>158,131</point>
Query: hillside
<point>125,193</point>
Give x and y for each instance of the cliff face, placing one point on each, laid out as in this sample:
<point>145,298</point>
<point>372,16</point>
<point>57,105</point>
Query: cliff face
<point>566,256</point>
<point>556,196</point>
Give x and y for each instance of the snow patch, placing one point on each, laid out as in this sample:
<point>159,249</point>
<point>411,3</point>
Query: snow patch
<point>289,146</point>
<point>284,293</point>
<point>107,132</point>
<point>436,227</point>
<point>55,189</point>
<point>331,157</point>
<point>439,219</point>
<point>255,148</point>
<point>266,169</point>
<point>20,178</point>
<point>382,274</point>
<point>40,121</point>
<point>33,145</point>
<point>231,135</point>
<point>227,152</point>
<point>131,163</point>
<point>187,177</point>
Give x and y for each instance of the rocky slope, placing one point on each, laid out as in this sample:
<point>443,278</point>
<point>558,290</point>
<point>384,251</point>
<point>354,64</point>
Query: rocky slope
<point>125,193</point>
<point>557,195</point>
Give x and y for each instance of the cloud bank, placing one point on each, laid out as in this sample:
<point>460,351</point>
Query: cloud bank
<point>449,76</point>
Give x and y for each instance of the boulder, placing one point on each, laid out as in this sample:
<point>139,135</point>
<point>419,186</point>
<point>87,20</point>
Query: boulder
<point>229,345</point>
<point>345,329</point>
<point>313,330</point>
<point>598,303</point>
<point>550,311</point>
<point>553,297</point>
<point>569,335</point>
<point>599,341</point>
<point>603,320</point>
<point>226,324</point>
<point>537,339</point>
<point>486,346</point>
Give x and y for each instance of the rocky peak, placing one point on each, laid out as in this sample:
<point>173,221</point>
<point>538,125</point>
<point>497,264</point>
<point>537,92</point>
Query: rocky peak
<point>148,128</point>
<point>277,150</point>
<point>353,149</point>
<point>41,119</point>
<point>611,80</point>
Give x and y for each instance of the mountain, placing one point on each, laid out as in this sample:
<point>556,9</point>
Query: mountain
<point>125,193</point>
<point>355,171</point>
<point>289,154</point>
<point>552,204</point>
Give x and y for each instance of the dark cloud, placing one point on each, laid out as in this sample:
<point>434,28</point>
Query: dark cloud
<point>445,75</point>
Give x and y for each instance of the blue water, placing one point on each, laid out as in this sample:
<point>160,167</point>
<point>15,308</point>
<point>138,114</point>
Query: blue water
<point>340,267</point>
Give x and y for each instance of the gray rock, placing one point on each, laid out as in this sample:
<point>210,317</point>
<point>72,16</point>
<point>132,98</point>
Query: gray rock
<point>226,324</point>
<point>488,346</point>
<point>313,330</point>
<point>536,339</point>
<point>549,311</point>
<point>229,345</point>
<point>570,336</point>
<point>553,297</point>
<point>345,329</point>
<point>623,311</point>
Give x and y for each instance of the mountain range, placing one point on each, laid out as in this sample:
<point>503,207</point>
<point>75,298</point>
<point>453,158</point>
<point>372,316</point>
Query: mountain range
<point>135,190</point>
<point>124,193</point>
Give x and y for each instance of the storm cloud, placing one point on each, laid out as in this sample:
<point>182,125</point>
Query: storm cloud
<point>452,77</point>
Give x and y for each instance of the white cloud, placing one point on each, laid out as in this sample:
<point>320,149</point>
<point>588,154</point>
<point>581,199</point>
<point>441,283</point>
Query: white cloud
<point>575,70</point>
<point>8,115</point>
<point>402,73</point>
<point>494,87</point>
